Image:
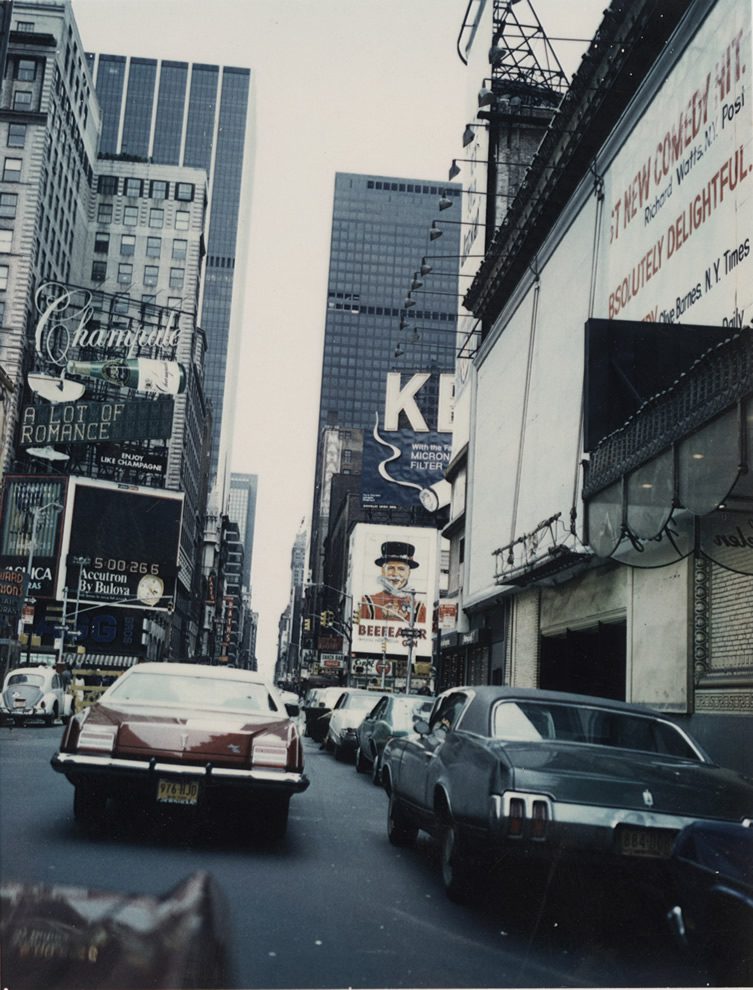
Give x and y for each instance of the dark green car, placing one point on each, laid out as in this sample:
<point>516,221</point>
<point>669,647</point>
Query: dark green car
<point>540,777</point>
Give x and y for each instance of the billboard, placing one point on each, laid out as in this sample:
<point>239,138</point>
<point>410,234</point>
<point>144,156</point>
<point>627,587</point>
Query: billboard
<point>130,537</point>
<point>95,422</point>
<point>30,530</point>
<point>405,456</point>
<point>393,572</point>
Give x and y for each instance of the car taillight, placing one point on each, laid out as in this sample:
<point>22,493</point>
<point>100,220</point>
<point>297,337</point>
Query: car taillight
<point>539,819</point>
<point>269,750</point>
<point>100,738</point>
<point>516,817</point>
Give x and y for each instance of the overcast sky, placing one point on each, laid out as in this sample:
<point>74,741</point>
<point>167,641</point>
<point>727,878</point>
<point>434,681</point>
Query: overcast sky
<point>341,86</point>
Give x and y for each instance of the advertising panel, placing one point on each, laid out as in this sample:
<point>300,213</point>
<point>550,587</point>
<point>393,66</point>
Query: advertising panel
<point>678,193</point>
<point>404,458</point>
<point>393,579</point>
<point>31,525</point>
<point>152,462</point>
<point>130,535</point>
<point>95,422</point>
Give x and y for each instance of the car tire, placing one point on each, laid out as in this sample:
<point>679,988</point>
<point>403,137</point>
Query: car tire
<point>457,869</point>
<point>89,807</point>
<point>401,831</point>
<point>362,765</point>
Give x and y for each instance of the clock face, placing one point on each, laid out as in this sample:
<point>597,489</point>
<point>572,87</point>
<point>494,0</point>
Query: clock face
<point>150,589</point>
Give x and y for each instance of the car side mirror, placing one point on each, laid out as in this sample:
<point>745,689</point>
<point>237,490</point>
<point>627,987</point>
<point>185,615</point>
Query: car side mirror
<point>292,710</point>
<point>421,726</point>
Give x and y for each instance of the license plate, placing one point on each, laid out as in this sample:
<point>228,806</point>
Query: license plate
<point>19,703</point>
<point>654,843</point>
<point>178,791</point>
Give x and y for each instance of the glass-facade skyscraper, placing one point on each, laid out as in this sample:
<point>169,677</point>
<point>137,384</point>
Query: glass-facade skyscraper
<point>380,233</point>
<point>241,509</point>
<point>183,113</point>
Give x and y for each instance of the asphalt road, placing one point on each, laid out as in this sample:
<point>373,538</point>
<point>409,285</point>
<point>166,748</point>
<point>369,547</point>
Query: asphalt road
<point>334,904</point>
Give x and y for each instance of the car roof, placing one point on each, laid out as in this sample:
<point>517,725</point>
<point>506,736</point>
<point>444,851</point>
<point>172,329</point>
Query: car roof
<point>203,670</point>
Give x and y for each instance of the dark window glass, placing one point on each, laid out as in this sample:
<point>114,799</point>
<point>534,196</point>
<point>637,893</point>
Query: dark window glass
<point>16,135</point>
<point>104,213</point>
<point>99,271</point>
<point>169,122</point>
<point>202,105</point>
<point>101,242</point>
<point>107,185</point>
<point>138,108</point>
<point>110,76</point>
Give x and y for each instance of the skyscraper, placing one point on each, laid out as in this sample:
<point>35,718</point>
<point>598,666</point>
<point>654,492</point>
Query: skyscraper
<point>241,509</point>
<point>193,114</point>
<point>380,236</point>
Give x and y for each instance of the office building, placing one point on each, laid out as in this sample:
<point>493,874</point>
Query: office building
<point>380,234</point>
<point>241,509</point>
<point>197,115</point>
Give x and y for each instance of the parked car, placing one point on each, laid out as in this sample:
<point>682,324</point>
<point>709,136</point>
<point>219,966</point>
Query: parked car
<point>34,694</point>
<point>536,776</point>
<point>712,918</point>
<point>187,736</point>
<point>347,715</point>
<point>317,718</point>
<point>393,715</point>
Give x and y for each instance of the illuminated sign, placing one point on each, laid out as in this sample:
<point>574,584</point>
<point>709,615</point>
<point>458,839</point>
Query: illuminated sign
<point>96,422</point>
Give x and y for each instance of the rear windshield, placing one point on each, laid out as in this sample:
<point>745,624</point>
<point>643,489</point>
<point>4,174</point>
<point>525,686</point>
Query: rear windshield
<point>406,710</point>
<point>534,721</point>
<point>141,687</point>
<point>36,679</point>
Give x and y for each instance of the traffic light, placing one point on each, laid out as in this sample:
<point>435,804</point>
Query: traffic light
<point>326,618</point>
<point>307,625</point>
<point>356,616</point>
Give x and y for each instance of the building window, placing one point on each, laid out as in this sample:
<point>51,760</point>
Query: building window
<point>12,170</point>
<point>2,312</point>
<point>151,274</point>
<point>3,278</point>
<point>132,187</point>
<point>101,242</point>
<point>26,69</point>
<point>120,305</point>
<point>130,216</point>
<point>104,213</point>
<point>16,135</point>
<point>99,271</point>
<point>177,276</point>
<point>153,247</point>
<point>156,217</point>
<point>179,249</point>
<point>182,219</point>
<point>125,273</point>
<point>158,189</point>
<point>174,302</point>
<point>184,191</point>
<point>127,244</point>
<point>8,204</point>
<point>22,99</point>
<point>6,241</point>
<point>107,185</point>
<point>24,25</point>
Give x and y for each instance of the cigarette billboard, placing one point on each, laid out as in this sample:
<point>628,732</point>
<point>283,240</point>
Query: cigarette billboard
<point>120,544</point>
<point>393,580</point>
<point>30,530</point>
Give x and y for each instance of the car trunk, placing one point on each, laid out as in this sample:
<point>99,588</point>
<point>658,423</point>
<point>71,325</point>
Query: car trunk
<point>586,774</point>
<point>225,740</point>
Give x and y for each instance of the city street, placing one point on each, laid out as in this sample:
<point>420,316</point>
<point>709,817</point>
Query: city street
<point>334,904</point>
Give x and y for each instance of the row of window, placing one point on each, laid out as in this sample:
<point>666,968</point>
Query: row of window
<point>110,185</point>
<point>125,274</point>
<point>413,314</point>
<point>156,217</point>
<point>413,187</point>
<point>102,241</point>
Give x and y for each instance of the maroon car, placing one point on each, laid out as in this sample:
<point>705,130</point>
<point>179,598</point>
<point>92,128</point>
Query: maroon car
<point>188,736</point>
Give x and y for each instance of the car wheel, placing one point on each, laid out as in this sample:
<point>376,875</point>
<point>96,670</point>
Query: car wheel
<point>457,869</point>
<point>89,807</point>
<point>400,829</point>
<point>52,718</point>
<point>362,765</point>
<point>275,821</point>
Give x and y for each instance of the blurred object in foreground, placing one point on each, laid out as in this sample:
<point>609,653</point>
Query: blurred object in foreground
<point>72,938</point>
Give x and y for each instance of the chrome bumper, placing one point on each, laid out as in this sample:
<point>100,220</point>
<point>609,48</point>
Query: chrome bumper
<point>74,764</point>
